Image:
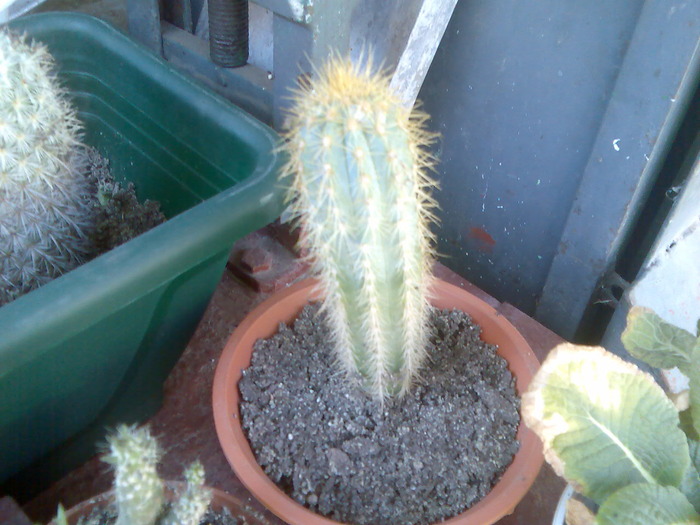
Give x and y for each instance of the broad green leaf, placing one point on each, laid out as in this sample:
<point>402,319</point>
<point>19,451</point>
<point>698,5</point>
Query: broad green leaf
<point>687,424</point>
<point>645,504</point>
<point>694,452</point>
<point>694,376</point>
<point>656,342</point>
<point>604,423</point>
<point>690,486</point>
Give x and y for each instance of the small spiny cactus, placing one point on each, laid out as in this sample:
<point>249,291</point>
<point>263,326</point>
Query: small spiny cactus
<point>44,212</point>
<point>139,492</point>
<point>360,191</point>
<point>193,503</point>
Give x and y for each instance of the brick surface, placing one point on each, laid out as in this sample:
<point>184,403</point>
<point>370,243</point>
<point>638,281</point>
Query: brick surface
<point>264,264</point>
<point>11,513</point>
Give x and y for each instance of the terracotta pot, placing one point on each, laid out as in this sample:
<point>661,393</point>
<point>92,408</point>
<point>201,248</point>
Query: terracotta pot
<point>219,500</point>
<point>284,306</point>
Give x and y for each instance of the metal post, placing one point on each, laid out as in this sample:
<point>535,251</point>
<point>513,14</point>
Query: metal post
<point>228,32</point>
<point>144,23</point>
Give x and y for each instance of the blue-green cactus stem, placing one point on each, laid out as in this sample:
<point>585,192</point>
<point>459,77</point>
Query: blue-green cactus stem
<point>360,192</point>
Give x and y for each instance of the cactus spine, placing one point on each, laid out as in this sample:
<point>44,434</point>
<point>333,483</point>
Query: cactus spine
<point>360,191</point>
<point>44,214</point>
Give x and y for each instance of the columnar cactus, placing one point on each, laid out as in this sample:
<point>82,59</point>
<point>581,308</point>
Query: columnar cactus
<point>360,191</point>
<point>138,490</point>
<point>44,214</point>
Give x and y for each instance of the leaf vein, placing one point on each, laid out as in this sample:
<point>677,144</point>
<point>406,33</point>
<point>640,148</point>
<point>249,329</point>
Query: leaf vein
<point>625,450</point>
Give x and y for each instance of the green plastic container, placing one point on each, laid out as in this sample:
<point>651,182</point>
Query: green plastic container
<point>93,347</point>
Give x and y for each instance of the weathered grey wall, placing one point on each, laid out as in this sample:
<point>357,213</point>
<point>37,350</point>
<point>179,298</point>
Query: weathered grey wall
<point>557,117</point>
<point>518,89</point>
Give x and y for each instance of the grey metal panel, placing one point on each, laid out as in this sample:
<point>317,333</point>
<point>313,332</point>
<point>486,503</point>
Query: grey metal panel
<point>179,13</point>
<point>248,87</point>
<point>306,32</point>
<point>331,26</point>
<point>298,46</point>
<point>293,43</point>
<point>383,29</point>
<point>655,86</point>
<point>196,6</point>
<point>297,10</point>
<point>419,50</point>
<point>518,90</point>
<point>144,23</point>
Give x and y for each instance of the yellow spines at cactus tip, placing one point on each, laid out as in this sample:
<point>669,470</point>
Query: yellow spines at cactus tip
<point>358,164</point>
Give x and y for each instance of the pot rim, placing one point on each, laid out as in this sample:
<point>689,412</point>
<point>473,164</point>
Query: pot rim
<point>496,329</point>
<point>219,500</point>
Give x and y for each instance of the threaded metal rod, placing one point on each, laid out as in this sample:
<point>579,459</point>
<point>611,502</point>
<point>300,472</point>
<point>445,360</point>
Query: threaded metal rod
<point>228,32</point>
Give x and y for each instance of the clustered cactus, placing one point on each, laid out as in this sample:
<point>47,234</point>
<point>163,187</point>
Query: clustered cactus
<point>139,492</point>
<point>188,509</point>
<point>44,212</point>
<point>358,161</point>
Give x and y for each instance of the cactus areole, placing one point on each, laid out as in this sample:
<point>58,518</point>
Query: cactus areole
<point>360,193</point>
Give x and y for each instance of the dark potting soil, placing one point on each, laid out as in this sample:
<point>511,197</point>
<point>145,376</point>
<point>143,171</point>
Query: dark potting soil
<point>119,215</point>
<point>418,460</point>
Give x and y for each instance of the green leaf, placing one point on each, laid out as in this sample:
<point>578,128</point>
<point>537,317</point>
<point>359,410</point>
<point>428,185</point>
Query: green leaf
<point>694,376</point>
<point>694,452</point>
<point>690,486</point>
<point>645,504</point>
<point>656,342</point>
<point>604,423</point>
<point>687,426</point>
